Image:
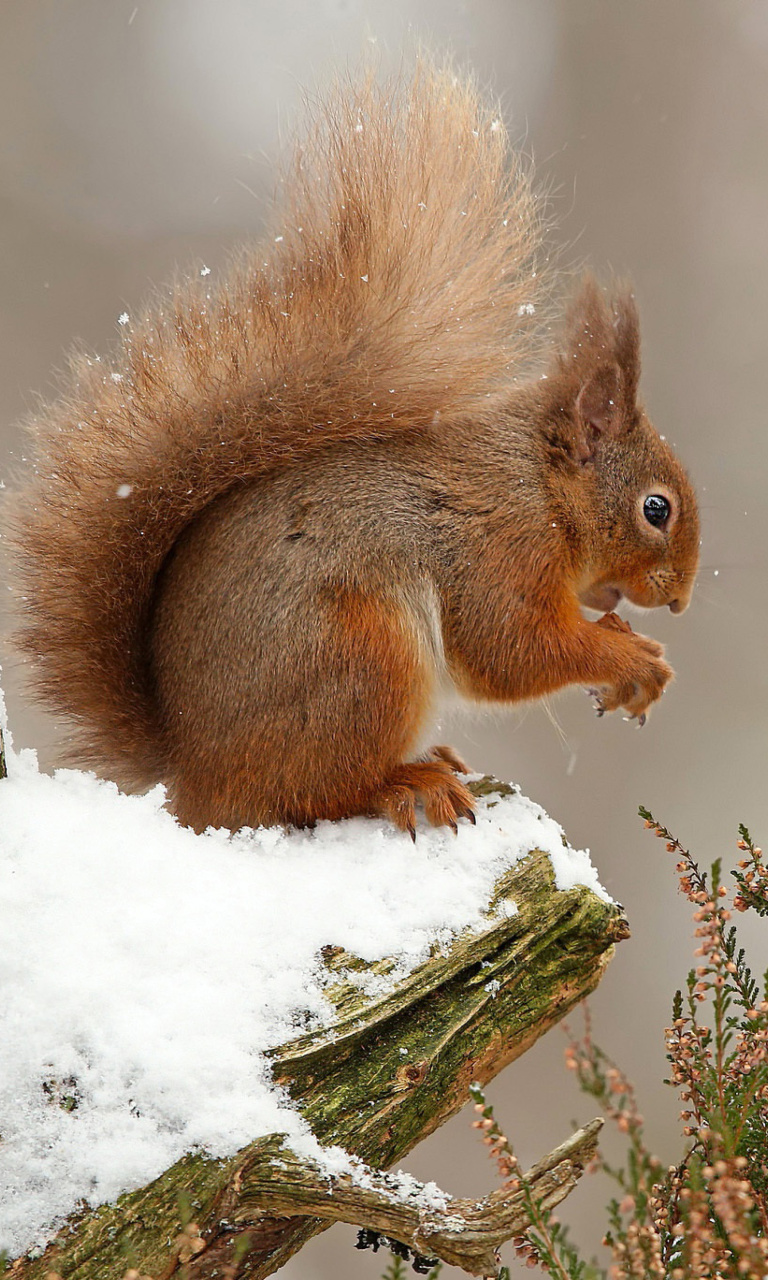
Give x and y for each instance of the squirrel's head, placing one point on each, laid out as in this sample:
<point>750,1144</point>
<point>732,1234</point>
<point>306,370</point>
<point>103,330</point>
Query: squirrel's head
<point>635,508</point>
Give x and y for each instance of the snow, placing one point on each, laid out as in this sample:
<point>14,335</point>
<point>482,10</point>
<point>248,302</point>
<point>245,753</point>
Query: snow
<point>572,867</point>
<point>145,969</point>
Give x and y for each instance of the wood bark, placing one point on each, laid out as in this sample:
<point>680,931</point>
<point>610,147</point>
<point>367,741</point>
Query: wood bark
<point>387,1072</point>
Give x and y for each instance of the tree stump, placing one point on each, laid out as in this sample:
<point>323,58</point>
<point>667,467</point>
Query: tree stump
<point>385,1074</point>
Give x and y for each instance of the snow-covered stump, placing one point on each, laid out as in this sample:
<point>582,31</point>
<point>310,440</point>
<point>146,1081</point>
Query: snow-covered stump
<point>393,1061</point>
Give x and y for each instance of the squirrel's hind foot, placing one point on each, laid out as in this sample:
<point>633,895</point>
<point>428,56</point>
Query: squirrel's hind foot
<point>445,799</point>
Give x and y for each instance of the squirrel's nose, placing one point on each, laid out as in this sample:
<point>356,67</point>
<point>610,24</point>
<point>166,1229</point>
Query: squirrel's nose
<point>679,605</point>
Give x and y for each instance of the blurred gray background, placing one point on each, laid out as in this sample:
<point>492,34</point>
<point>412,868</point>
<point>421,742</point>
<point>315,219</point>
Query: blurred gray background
<point>139,135</point>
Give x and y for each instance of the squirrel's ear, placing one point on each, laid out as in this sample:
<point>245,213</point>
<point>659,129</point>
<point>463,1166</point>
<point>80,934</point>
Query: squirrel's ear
<point>599,409</point>
<point>597,367</point>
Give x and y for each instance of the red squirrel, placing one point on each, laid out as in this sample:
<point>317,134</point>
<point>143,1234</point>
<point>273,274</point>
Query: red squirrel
<point>299,504</point>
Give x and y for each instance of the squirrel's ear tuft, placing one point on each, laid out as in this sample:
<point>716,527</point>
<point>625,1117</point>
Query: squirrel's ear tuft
<point>627,342</point>
<point>590,334</point>
<point>599,332</point>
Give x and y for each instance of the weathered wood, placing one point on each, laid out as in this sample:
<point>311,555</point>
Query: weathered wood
<point>464,1233</point>
<point>386,1073</point>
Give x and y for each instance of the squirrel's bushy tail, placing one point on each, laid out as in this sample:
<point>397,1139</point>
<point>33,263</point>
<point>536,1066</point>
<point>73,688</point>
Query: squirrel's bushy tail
<point>401,283</point>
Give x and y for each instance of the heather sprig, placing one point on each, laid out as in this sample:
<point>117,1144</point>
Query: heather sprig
<point>545,1244</point>
<point>632,1234</point>
<point>706,1216</point>
<point>751,876</point>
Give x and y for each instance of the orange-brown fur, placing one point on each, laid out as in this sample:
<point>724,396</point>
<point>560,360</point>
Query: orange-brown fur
<point>257,545</point>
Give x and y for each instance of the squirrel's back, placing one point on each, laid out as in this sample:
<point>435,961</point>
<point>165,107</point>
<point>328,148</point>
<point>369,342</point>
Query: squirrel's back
<point>400,286</point>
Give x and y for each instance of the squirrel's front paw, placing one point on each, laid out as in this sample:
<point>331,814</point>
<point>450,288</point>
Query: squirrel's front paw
<point>644,676</point>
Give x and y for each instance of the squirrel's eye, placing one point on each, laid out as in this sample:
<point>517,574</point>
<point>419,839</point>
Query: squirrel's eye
<point>657,510</point>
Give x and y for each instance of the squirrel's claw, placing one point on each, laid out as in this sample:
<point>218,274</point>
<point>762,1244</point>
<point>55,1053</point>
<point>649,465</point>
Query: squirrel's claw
<point>598,704</point>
